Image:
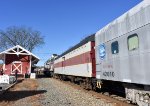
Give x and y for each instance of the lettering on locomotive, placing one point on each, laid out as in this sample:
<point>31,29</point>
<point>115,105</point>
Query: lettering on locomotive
<point>109,74</point>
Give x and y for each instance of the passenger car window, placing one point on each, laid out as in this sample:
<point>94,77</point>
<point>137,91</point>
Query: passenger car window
<point>133,42</point>
<point>115,47</point>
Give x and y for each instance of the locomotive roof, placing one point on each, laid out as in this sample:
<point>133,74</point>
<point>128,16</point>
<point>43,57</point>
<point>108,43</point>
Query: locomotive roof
<point>82,42</point>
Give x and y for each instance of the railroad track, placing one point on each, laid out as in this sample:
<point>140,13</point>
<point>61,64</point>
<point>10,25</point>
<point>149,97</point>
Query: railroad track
<point>108,98</point>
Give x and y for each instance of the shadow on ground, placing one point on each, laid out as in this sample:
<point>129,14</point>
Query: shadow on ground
<point>16,95</point>
<point>43,76</point>
<point>19,81</point>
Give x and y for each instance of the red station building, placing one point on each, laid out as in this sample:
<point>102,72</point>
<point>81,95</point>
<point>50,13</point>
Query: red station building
<point>18,59</point>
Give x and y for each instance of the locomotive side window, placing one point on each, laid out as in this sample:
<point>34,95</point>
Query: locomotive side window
<point>133,42</point>
<point>114,47</point>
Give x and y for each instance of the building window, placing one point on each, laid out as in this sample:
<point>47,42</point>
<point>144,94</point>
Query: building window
<point>115,47</point>
<point>133,42</point>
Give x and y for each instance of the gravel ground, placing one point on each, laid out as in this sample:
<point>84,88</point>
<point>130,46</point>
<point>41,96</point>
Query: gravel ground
<point>24,93</point>
<point>60,94</point>
<point>51,92</point>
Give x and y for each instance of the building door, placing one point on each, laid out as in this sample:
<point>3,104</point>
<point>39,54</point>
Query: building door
<point>16,66</point>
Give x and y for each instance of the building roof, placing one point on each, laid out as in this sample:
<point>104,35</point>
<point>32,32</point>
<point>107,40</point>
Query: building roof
<point>18,50</point>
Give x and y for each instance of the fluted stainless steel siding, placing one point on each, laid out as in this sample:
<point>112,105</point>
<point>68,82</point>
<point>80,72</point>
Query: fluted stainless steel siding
<point>128,66</point>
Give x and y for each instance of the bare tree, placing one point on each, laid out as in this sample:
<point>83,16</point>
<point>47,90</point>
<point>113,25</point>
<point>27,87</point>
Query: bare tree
<point>23,36</point>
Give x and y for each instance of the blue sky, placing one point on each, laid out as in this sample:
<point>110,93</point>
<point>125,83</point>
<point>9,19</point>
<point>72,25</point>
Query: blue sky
<point>63,23</point>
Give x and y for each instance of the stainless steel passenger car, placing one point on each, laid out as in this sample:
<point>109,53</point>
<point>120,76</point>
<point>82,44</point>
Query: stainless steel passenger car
<point>123,53</point>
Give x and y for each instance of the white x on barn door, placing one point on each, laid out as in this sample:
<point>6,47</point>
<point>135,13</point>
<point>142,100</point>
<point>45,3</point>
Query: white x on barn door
<point>16,66</point>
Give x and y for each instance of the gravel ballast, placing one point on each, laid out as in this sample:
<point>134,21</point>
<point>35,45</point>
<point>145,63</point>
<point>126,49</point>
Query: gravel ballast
<point>61,94</point>
<point>53,92</point>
